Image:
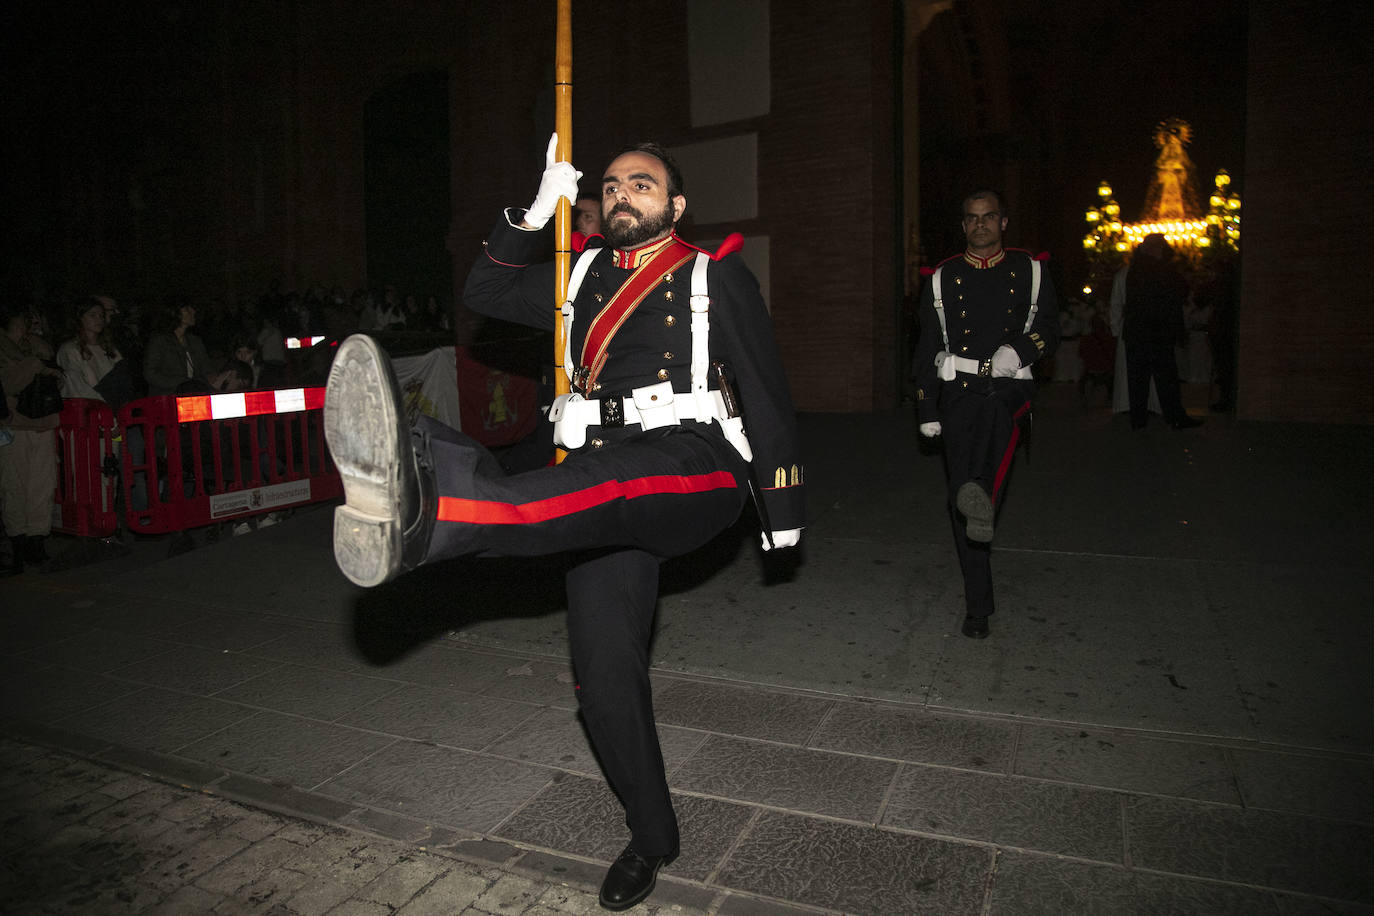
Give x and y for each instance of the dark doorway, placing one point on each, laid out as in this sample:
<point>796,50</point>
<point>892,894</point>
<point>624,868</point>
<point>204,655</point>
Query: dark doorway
<point>406,175</point>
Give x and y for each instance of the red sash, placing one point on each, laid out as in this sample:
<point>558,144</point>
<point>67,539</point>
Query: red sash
<point>626,299</point>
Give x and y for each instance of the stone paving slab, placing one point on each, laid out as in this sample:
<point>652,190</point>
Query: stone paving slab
<point>976,782</point>
<point>1154,726</point>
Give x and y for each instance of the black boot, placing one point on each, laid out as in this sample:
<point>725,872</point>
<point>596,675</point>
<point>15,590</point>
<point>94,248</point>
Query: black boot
<point>34,554</point>
<point>383,528</point>
<point>15,565</point>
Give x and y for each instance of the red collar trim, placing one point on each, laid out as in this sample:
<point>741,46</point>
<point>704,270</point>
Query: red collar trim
<point>632,259</point>
<point>985,263</point>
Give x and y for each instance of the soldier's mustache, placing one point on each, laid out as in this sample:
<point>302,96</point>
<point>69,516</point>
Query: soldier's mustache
<point>626,208</point>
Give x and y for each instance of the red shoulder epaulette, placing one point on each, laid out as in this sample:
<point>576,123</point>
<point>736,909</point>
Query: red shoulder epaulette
<point>579,241</point>
<point>930,271</point>
<point>1042,256</point>
<point>733,242</point>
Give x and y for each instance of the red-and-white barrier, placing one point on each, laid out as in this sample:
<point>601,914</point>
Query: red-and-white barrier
<point>195,460</point>
<point>248,404</point>
<point>84,502</point>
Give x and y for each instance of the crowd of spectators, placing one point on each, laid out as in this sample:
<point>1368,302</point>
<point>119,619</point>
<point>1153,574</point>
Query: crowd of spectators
<point>102,349</point>
<point>180,344</point>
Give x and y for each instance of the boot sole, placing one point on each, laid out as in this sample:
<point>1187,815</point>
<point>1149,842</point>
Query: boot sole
<point>364,427</point>
<point>976,508</point>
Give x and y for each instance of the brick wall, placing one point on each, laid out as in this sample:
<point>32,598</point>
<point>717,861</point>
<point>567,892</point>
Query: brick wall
<point>827,193</point>
<point>1307,313</point>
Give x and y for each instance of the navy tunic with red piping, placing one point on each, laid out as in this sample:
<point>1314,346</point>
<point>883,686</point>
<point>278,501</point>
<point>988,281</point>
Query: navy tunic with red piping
<point>986,302</point>
<point>655,342</point>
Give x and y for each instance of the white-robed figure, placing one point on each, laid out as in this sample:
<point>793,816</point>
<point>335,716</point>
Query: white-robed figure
<point>659,461</point>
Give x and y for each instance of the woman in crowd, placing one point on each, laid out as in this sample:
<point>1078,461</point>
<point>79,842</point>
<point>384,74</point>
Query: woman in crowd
<point>28,465</point>
<point>436,315</point>
<point>176,358</point>
<point>88,358</point>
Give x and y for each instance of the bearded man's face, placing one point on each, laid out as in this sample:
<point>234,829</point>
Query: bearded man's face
<point>627,227</point>
<point>635,205</point>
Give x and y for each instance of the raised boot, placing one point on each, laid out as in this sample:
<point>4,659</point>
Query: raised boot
<point>383,527</point>
<point>975,505</point>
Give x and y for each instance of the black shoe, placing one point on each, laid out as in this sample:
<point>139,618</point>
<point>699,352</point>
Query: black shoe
<point>975,627</point>
<point>1185,423</point>
<point>383,527</point>
<point>15,565</point>
<point>975,504</point>
<point>631,878</point>
<point>34,554</point>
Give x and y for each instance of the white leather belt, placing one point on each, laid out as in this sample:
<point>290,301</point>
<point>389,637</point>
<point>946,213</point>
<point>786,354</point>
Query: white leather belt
<point>649,407</point>
<point>979,367</point>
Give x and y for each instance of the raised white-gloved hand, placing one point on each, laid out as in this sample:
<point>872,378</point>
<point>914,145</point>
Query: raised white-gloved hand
<point>1005,362</point>
<point>788,538</point>
<point>932,429</point>
<point>560,180</point>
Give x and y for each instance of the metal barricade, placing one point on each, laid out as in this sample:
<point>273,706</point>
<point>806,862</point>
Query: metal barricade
<point>196,460</point>
<point>84,502</point>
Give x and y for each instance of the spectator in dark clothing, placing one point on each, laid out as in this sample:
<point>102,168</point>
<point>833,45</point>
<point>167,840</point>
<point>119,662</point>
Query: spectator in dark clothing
<point>177,354</point>
<point>1152,325</point>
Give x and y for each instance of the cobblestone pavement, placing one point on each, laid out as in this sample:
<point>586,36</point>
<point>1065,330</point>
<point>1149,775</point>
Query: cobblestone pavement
<point>80,837</point>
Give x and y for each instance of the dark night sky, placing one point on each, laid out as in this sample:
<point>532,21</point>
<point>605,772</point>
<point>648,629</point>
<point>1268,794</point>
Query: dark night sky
<point>1139,63</point>
<point>1087,81</point>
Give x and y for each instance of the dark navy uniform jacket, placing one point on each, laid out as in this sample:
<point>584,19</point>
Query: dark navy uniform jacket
<point>986,303</point>
<point>655,342</point>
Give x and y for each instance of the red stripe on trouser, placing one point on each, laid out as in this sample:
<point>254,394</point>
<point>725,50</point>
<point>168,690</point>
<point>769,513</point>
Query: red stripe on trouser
<point>1005,464</point>
<point>483,512</point>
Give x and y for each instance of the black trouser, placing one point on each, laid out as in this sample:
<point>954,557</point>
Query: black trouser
<point>612,597</point>
<point>641,498</point>
<point>1146,358</point>
<point>981,431</point>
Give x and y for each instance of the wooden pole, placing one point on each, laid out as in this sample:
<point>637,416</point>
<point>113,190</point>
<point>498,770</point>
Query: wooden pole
<point>562,223</point>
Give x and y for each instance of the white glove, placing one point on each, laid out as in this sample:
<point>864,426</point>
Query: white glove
<point>788,538</point>
<point>1005,362</point>
<point>560,180</point>
<point>931,430</point>
<point>941,357</point>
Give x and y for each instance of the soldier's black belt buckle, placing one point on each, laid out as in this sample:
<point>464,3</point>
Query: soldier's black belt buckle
<point>612,413</point>
<point>985,368</point>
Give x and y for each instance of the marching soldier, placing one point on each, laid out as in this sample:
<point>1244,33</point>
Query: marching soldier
<point>986,317</point>
<point>665,342</point>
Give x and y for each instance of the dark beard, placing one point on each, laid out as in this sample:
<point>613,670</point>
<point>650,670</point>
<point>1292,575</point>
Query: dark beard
<point>625,236</point>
